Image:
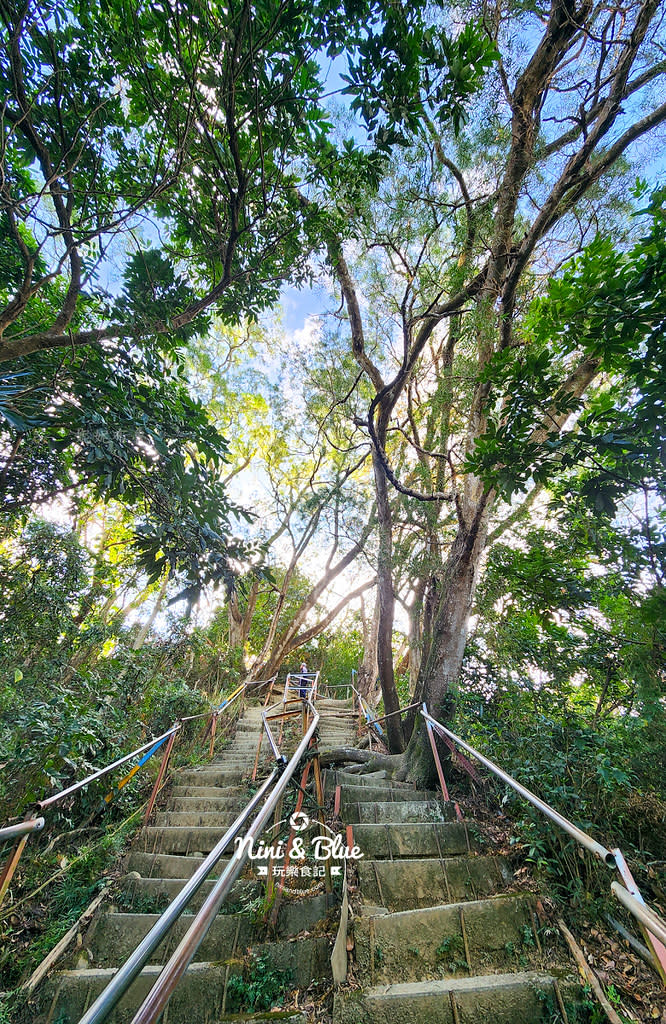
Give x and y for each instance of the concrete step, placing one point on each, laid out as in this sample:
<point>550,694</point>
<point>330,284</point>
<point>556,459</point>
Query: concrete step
<point>380,793</point>
<point>114,937</point>
<point>236,761</point>
<point>219,804</point>
<point>423,839</point>
<point>246,896</point>
<point>234,770</point>
<point>143,894</point>
<point>371,778</point>
<point>410,884</point>
<point>525,998</point>
<point>200,996</point>
<point>377,784</point>
<point>218,792</point>
<point>397,811</point>
<point>168,865</point>
<point>477,937</point>
<point>211,776</point>
<point>179,839</point>
<point>195,819</point>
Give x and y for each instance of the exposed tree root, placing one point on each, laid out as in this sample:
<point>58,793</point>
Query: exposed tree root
<point>370,760</point>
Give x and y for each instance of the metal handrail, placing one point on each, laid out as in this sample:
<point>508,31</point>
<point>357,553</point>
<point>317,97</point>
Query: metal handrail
<point>109,768</point>
<point>654,926</point>
<point>22,828</point>
<point>581,837</point>
<point>170,975</point>
<point>154,743</point>
<point>641,912</point>
<point>21,831</point>
<point>371,719</point>
<point>280,758</point>
<point>124,977</point>
<point>312,680</point>
<point>173,971</point>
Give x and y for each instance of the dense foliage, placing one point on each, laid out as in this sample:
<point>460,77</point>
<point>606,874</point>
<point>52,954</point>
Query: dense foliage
<point>472,431</point>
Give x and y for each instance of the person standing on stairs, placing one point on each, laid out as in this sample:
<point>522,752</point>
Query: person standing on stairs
<point>303,687</point>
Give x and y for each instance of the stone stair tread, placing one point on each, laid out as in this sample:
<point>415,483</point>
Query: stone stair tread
<point>397,811</point>
<point>114,936</point>
<point>415,839</point>
<point>166,889</point>
<point>198,997</point>
<point>184,840</point>
<point>356,795</point>
<point>371,778</point>
<point>409,884</point>
<point>218,792</point>
<point>169,865</point>
<point>478,937</point>
<point>269,1017</point>
<point>229,805</point>
<point>500,998</point>
<point>195,819</point>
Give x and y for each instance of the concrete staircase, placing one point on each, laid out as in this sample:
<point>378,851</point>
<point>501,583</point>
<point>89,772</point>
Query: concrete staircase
<point>437,938</point>
<point>203,802</point>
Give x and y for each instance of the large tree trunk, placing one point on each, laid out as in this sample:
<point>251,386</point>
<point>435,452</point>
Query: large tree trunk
<point>444,646</point>
<point>386,600</point>
<point>369,669</point>
<point>241,621</point>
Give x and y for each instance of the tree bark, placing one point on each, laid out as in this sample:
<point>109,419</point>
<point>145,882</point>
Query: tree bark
<point>385,595</point>
<point>386,600</point>
<point>369,669</point>
<point>241,621</point>
<point>444,646</point>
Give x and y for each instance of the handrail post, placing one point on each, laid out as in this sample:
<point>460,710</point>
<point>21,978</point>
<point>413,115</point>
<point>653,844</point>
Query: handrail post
<point>319,789</point>
<point>213,727</point>
<point>12,861</point>
<point>656,947</point>
<point>11,865</point>
<point>435,754</point>
<point>272,914</point>
<point>160,774</point>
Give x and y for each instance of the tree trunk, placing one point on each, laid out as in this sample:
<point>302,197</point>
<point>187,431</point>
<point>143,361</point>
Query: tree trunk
<point>444,647</point>
<point>241,621</point>
<point>386,602</point>
<point>140,638</point>
<point>368,669</point>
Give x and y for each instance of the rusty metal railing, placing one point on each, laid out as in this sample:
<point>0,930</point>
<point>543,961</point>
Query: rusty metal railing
<point>277,781</point>
<point>653,926</point>
<point>302,684</point>
<point>154,1004</point>
<point>126,974</point>
<point>22,830</point>
<point>368,717</point>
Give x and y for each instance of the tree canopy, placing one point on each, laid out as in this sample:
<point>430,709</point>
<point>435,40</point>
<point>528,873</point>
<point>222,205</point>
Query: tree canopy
<point>484,387</point>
